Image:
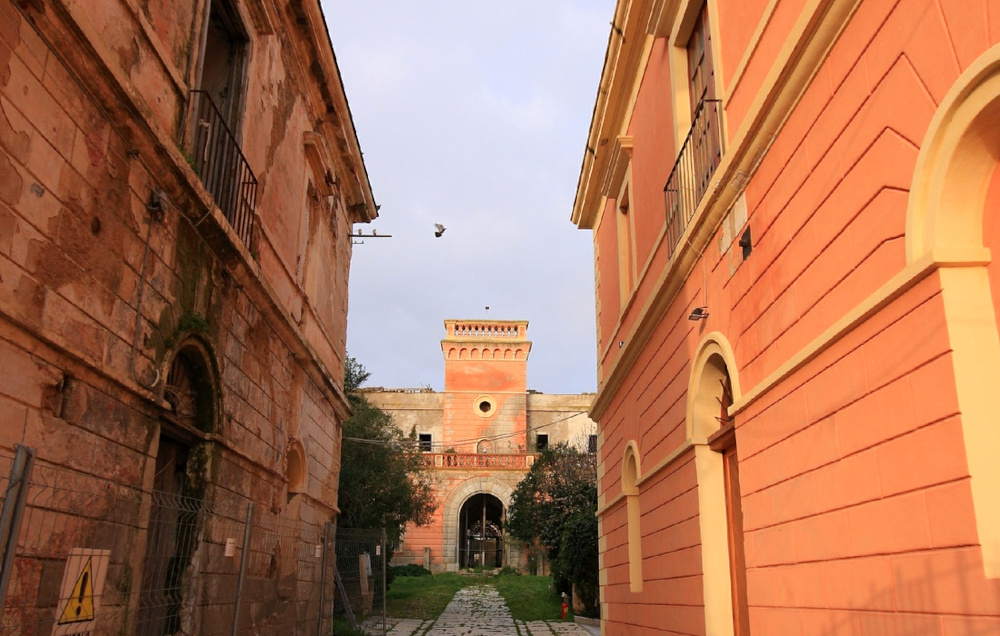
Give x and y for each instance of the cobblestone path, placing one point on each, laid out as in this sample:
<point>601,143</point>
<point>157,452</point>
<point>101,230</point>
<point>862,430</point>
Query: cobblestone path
<point>480,611</point>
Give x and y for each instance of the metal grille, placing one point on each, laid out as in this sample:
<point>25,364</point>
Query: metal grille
<point>222,167</point>
<point>160,563</point>
<point>696,163</point>
<point>361,572</point>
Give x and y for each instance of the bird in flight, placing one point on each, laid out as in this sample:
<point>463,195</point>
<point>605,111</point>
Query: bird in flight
<point>440,230</point>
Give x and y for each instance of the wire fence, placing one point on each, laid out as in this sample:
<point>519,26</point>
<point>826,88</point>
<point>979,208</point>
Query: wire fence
<point>361,579</point>
<point>85,555</point>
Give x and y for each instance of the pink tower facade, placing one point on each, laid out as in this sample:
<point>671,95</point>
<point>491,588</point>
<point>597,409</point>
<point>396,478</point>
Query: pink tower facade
<point>480,437</point>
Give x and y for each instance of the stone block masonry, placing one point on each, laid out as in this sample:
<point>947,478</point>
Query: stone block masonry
<point>164,331</point>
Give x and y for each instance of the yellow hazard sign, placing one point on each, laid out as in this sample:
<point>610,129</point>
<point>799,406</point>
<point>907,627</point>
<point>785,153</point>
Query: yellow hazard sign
<point>80,595</point>
<point>81,602</point>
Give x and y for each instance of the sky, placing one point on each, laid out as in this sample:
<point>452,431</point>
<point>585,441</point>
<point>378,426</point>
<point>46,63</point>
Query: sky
<point>473,115</point>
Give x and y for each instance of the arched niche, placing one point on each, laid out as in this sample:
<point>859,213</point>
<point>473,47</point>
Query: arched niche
<point>297,469</point>
<point>630,488</point>
<point>714,365</point>
<point>190,391</point>
<point>958,158</point>
<point>713,362</point>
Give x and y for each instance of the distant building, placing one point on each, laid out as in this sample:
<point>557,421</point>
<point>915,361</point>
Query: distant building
<point>794,208</point>
<point>481,436</point>
<point>179,184</point>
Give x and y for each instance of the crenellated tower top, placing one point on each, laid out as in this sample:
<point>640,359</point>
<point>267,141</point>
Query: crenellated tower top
<point>486,340</point>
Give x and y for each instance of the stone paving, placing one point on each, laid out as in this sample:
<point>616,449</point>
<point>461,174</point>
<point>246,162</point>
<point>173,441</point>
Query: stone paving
<point>478,611</point>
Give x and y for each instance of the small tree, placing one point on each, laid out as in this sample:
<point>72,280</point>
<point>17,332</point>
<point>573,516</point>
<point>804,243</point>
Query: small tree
<point>552,506</point>
<point>384,482</point>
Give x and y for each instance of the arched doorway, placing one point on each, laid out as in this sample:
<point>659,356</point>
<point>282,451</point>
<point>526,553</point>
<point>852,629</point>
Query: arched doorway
<point>177,489</point>
<point>480,532</point>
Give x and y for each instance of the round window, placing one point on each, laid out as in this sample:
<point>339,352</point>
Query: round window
<point>484,406</point>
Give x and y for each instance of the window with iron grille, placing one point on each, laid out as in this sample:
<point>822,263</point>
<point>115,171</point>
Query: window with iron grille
<point>701,151</point>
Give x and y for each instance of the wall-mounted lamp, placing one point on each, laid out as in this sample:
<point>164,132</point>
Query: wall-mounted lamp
<point>699,313</point>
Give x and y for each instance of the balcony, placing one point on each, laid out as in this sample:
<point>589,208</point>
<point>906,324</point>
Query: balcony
<point>224,171</point>
<point>696,163</point>
<point>476,461</point>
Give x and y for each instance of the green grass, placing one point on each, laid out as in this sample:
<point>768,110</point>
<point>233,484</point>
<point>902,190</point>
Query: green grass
<point>342,628</point>
<point>530,598</point>
<point>425,597</point>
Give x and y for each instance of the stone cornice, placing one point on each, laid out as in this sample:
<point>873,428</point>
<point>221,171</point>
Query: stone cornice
<point>621,62</point>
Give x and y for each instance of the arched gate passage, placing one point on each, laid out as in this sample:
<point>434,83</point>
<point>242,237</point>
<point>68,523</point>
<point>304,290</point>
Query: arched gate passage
<point>480,532</point>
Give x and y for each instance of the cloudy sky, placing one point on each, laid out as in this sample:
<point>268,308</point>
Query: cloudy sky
<point>473,115</point>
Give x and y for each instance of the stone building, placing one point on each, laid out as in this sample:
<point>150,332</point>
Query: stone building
<point>480,437</point>
<point>794,206</point>
<point>178,184</point>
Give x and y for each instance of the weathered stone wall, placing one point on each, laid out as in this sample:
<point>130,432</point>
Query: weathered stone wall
<point>99,291</point>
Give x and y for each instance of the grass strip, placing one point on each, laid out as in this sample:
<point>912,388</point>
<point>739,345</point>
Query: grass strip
<point>529,598</point>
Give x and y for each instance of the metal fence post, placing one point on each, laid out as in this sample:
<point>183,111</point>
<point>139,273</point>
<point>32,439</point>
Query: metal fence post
<point>384,560</point>
<point>13,510</point>
<point>243,568</point>
<point>322,578</point>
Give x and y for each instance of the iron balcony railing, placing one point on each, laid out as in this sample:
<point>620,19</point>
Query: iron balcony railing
<point>696,163</point>
<point>219,162</point>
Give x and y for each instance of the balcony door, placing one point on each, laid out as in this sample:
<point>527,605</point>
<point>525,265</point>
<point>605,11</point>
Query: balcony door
<point>707,149</point>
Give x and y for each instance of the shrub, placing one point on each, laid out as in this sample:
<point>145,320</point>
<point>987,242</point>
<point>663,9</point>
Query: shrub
<point>578,562</point>
<point>410,569</point>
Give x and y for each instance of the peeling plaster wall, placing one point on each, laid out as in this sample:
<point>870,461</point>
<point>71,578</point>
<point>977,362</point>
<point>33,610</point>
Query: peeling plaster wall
<point>92,122</point>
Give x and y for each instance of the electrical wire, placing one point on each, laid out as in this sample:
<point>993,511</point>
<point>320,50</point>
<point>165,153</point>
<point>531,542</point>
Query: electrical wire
<point>490,438</point>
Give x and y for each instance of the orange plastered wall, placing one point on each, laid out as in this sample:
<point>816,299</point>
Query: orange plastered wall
<point>737,21</point>
<point>759,62</point>
<point>606,246</point>
<point>653,158</point>
<point>856,494</point>
<point>828,203</point>
<point>671,557</point>
<point>504,382</point>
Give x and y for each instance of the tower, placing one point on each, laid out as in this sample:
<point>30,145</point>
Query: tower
<point>485,385</point>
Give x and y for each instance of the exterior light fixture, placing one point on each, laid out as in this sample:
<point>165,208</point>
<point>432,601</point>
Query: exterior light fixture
<point>699,313</point>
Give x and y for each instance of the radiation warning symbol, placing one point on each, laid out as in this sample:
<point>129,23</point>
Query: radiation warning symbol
<point>79,599</point>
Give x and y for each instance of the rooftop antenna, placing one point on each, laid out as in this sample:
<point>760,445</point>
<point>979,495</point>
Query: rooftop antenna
<point>487,312</point>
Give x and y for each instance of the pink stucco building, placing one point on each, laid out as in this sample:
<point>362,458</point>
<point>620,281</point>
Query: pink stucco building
<point>794,206</point>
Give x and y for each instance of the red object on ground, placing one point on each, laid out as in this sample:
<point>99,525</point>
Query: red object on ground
<point>564,608</point>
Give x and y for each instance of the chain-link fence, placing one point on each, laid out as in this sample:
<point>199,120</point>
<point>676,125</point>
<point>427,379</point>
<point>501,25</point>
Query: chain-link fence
<point>84,555</point>
<point>361,579</point>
